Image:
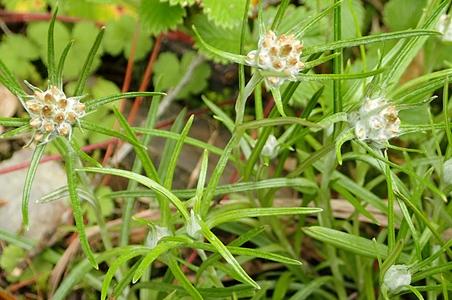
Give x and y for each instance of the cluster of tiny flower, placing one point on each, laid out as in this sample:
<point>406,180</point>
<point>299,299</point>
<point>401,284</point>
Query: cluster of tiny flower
<point>376,121</point>
<point>445,27</point>
<point>52,113</point>
<point>277,54</point>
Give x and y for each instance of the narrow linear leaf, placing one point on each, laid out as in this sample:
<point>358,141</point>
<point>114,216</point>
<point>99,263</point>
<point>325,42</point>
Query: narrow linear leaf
<point>351,243</point>
<point>51,50</point>
<point>377,38</point>
<point>162,247</point>
<point>233,215</point>
<point>95,103</point>
<point>146,182</point>
<point>76,205</point>
<point>37,154</point>
<point>239,59</point>
<point>183,280</point>
<point>88,63</point>
<point>215,241</point>
<point>60,68</point>
<point>13,122</point>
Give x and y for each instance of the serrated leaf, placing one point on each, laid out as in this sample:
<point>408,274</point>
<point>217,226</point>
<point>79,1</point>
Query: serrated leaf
<point>17,52</point>
<point>87,9</point>
<point>25,6</point>
<point>158,17</point>
<point>226,39</point>
<point>169,72</point>
<point>119,35</point>
<point>226,14</point>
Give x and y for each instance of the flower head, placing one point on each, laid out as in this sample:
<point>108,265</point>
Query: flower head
<point>52,114</point>
<point>376,121</point>
<point>278,54</point>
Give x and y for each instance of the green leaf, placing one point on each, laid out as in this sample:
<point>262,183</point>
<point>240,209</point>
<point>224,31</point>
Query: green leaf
<point>37,154</point>
<point>11,256</point>
<point>14,239</point>
<point>17,52</point>
<point>237,214</point>
<point>215,241</point>
<point>302,184</point>
<point>119,35</point>
<point>86,70</point>
<point>403,14</point>
<point>95,103</point>
<point>126,255</point>
<point>225,13</point>
<point>71,175</point>
<point>161,248</point>
<point>13,122</point>
<point>51,50</point>
<point>183,280</point>
<point>158,17</point>
<point>349,242</point>
<point>376,38</point>
<point>209,36</point>
<point>169,71</point>
<point>180,2</point>
<point>146,182</point>
<point>84,35</point>
<point>140,150</point>
<point>37,30</point>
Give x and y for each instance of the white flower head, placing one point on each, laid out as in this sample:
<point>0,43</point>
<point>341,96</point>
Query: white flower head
<point>271,147</point>
<point>376,121</point>
<point>279,54</point>
<point>193,227</point>
<point>52,114</point>
<point>156,234</point>
<point>396,277</point>
<point>445,27</point>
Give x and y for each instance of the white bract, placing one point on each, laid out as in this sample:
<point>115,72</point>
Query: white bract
<point>156,234</point>
<point>193,227</point>
<point>277,54</point>
<point>52,114</point>
<point>376,121</point>
<point>271,147</point>
<point>447,171</point>
<point>396,277</point>
<point>445,27</point>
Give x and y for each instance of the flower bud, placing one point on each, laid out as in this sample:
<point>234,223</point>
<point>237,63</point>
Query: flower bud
<point>396,277</point>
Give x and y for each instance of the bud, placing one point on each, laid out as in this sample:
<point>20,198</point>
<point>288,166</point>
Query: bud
<point>193,227</point>
<point>397,277</point>
<point>156,233</point>
<point>445,27</point>
<point>271,147</point>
